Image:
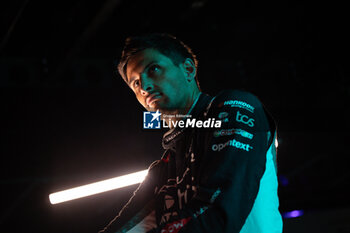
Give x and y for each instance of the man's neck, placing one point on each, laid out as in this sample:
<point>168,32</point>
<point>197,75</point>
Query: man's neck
<point>179,114</point>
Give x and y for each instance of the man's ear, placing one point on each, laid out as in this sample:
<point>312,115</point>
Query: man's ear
<point>189,69</point>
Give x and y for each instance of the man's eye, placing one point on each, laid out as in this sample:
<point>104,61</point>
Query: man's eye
<point>153,69</point>
<point>136,83</point>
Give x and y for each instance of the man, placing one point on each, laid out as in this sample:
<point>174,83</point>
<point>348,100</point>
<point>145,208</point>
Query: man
<point>210,179</point>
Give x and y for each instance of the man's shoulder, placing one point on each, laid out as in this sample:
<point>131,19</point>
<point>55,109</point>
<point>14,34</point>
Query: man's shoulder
<point>239,108</point>
<point>236,98</point>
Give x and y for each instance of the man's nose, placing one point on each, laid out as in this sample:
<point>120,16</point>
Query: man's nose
<point>146,85</point>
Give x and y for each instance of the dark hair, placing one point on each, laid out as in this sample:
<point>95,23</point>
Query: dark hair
<point>166,44</point>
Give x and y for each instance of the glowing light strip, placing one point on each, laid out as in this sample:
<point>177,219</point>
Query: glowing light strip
<point>98,187</point>
<point>293,214</point>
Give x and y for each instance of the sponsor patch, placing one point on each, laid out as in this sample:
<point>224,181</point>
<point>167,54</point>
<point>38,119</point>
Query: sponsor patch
<point>176,226</point>
<point>233,143</point>
<point>223,115</point>
<point>239,104</point>
<point>229,132</point>
<point>244,119</point>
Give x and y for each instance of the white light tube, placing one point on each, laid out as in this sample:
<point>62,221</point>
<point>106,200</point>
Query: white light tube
<point>98,187</point>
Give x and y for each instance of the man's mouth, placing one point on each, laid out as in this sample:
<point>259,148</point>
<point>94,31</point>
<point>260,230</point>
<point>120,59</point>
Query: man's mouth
<point>151,99</point>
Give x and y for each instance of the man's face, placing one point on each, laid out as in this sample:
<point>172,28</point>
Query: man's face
<point>157,82</point>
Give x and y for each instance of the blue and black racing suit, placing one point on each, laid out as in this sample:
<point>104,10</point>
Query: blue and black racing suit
<point>211,179</point>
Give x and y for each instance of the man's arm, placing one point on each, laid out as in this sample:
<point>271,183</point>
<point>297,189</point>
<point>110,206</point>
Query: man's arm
<point>232,167</point>
<point>137,213</point>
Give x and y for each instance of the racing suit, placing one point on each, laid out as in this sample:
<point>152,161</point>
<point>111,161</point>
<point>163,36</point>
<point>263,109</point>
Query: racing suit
<point>211,179</point>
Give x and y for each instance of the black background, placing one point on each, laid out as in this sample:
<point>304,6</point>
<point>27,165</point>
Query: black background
<point>67,119</point>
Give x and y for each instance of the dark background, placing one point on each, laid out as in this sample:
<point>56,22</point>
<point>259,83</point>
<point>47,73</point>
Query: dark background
<point>67,119</point>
